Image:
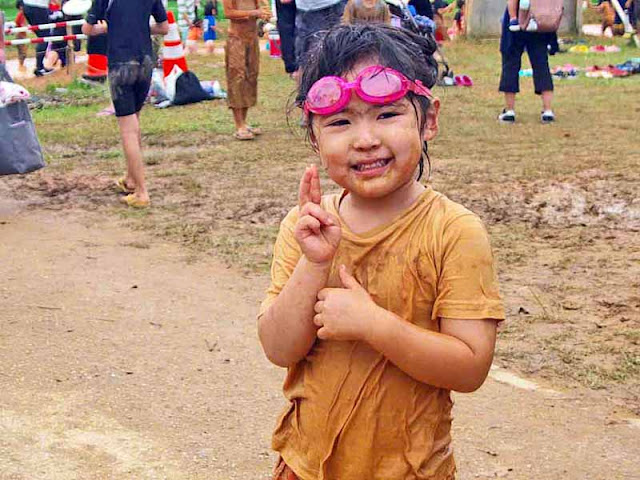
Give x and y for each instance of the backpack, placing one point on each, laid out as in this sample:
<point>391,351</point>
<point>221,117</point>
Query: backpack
<point>189,90</point>
<point>542,16</point>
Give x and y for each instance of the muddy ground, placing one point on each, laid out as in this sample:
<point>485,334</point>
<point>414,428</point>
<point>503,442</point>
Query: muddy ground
<point>125,359</point>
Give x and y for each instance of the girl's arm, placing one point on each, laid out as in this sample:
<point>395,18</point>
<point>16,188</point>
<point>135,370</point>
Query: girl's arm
<point>456,358</point>
<point>286,328</point>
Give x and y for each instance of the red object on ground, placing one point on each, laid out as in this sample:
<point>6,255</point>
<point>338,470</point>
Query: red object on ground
<point>96,67</point>
<point>275,49</point>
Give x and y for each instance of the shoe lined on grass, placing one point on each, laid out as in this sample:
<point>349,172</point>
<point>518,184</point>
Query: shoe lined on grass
<point>507,116</point>
<point>547,117</point>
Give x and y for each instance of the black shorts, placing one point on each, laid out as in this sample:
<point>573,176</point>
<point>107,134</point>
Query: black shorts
<point>129,83</point>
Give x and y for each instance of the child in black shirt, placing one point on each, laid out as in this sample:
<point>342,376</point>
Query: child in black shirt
<point>129,55</point>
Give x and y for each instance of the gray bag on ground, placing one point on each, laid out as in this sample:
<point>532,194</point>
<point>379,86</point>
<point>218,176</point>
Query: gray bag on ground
<point>20,150</point>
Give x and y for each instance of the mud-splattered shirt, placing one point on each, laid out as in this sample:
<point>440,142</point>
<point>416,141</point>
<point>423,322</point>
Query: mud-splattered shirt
<point>353,414</point>
<point>129,34</point>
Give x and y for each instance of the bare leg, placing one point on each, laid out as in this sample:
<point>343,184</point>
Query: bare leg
<point>131,144</point>
<point>547,96</point>
<point>245,111</point>
<point>510,100</point>
<point>240,119</point>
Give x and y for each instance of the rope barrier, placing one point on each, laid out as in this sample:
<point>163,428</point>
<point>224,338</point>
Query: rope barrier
<point>44,26</point>
<point>60,38</point>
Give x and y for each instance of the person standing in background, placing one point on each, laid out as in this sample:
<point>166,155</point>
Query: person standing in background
<point>538,46</point>
<point>37,13</point>
<point>313,16</point>
<point>242,61</point>
<point>286,23</point>
<point>21,21</point>
<point>186,17</point>
<point>128,29</point>
<point>209,25</point>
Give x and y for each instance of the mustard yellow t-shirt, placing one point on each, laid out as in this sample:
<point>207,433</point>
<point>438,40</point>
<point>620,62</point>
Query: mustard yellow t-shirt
<point>353,414</point>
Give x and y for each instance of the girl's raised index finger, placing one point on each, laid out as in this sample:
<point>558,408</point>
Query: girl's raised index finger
<point>316,189</point>
<point>304,192</point>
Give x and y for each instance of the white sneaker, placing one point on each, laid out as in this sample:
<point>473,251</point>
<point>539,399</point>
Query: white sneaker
<point>507,116</point>
<point>547,117</point>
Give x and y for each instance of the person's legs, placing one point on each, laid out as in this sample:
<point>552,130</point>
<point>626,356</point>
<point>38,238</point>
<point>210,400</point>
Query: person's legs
<point>547,97</point>
<point>511,46</point>
<point>286,13</point>
<point>509,101</point>
<point>129,86</point>
<point>236,58</point>
<point>129,126</point>
<point>542,80</point>
<point>251,84</point>
<point>38,16</point>
<point>22,56</point>
<point>239,118</point>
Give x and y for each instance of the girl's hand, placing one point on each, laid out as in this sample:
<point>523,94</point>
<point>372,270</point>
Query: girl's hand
<point>317,232</point>
<point>345,313</point>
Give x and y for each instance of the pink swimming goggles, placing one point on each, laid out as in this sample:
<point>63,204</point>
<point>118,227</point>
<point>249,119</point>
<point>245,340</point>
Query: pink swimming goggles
<point>377,84</point>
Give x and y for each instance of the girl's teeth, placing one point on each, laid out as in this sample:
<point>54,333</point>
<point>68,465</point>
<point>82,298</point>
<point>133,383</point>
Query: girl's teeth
<point>370,166</point>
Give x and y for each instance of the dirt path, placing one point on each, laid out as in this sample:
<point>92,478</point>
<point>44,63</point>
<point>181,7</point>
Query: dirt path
<point>123,358</point>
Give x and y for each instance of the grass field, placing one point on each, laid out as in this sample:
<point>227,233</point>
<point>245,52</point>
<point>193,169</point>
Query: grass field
<point>560,201</point>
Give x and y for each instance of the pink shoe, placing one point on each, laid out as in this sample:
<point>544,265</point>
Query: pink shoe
<point>466,81</point>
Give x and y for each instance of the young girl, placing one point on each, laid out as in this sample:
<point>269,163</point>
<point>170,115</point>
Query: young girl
<point>209,25</point>
<point>383,297</point>
<point>242,61</point>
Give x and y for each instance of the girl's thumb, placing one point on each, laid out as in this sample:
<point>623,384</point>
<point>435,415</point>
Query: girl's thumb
<point>348,281</point>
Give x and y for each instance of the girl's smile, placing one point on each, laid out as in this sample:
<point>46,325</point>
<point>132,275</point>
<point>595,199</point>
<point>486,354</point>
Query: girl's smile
<point>373,150</point>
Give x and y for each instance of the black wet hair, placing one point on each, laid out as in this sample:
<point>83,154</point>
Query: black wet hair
<point>19,4</point>
<point>338,50</point>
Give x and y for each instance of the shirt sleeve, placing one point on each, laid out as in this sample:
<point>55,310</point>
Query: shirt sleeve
<point>158,12</point>
<point>97,12</point>
<point>467,286</point>
<point>286,254</point>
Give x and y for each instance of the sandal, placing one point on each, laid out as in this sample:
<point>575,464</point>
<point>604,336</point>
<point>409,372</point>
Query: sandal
<point>255,130</point>
<point>105,112</point>
<point>121,186</point>
<point>243,135</point>
<point>132,201</point>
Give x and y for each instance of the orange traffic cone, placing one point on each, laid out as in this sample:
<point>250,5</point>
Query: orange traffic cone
<point>172,51</point>
<point>97,62</point>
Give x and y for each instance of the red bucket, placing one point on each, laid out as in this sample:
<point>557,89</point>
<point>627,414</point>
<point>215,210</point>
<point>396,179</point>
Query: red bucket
<point>274,44</point>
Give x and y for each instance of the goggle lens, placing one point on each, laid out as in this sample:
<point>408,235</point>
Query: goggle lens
<point>381,84</point>
<point>325,93</point>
